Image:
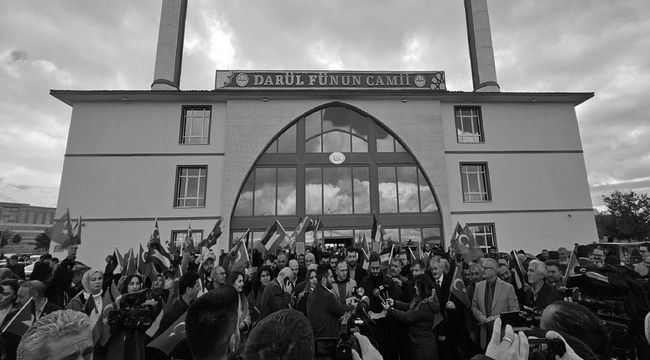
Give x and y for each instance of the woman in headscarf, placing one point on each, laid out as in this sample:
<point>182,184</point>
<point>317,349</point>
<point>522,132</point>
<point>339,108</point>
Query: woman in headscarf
<point>91,302</point>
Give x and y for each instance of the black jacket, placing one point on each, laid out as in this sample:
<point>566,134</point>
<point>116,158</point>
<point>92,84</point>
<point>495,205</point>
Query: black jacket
<point>547,295</point>
<point>274,299</point>
<point>324,311</point>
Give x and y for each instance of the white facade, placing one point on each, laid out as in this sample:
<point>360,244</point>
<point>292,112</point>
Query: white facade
<point>123,152</point>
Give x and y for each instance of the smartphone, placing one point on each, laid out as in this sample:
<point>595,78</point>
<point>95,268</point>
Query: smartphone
<point>545,349</point>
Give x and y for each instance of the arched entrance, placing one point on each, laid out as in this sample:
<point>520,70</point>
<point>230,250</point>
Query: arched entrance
<point>297,175</point>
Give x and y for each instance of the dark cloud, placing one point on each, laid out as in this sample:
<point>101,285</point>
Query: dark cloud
<point>553,45</point>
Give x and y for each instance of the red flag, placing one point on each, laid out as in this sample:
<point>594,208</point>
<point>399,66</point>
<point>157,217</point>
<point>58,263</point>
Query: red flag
<point>155,233</point>
<point>170,338</point>
<point>241,253</point>
<point>458,288</point>
<point>62,233</point>
<point>455,245</point>
<point>23,320</point>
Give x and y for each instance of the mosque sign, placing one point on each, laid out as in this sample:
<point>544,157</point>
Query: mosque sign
<point>240,79</point>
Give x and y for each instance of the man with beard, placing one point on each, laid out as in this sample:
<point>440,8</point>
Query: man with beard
<point>323,309</point>
<point>355,269</point>
<point>554,276</point>
<point>384,332</point>
<point>344,285</point>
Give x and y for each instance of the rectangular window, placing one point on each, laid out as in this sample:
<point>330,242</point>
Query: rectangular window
<point>195,125</point>
<point>469,125</point>
<point>475,182</point>
<point>179,237</point>
<point>484,235</point>
<point>190,186</point>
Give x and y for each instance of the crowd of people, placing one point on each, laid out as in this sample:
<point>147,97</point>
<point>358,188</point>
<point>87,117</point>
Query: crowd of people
<point>429,304</point>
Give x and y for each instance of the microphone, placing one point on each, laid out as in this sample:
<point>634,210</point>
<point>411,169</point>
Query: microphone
<point>378,294</point>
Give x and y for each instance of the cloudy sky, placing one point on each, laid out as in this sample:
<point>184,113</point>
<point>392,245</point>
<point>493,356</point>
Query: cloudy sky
<point>552,45</point>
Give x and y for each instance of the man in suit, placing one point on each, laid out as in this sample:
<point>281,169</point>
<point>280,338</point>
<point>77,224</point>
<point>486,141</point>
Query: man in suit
<point>492,297</point>
<point>540,294</point>
<point>35,289</point>
<point>277,294</point>
<point>323,309</point>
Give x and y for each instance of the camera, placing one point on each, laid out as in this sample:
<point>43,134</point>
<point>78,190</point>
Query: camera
<point>132,313</point>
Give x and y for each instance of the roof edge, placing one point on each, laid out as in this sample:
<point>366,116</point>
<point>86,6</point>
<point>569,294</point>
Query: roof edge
<point>70,97</point>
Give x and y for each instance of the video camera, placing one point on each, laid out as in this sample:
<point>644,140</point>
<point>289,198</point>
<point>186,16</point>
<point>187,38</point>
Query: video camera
<point>132,313</point>
<point>341,347</point>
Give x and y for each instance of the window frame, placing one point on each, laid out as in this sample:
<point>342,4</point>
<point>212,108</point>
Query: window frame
<point>481,130</point>
<point>179,168</point>
<point>494,235</point>
<point>488,188</point>
<point>183,122</point>
<point>194,231</point>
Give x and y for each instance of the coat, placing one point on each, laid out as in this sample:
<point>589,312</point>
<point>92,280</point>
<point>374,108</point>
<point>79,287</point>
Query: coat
<point>420,318</point>
<point>504,299</point>
<point>349,290</point>
<point>547,295</point>
<point>324,311</point>
<point>274,299</point>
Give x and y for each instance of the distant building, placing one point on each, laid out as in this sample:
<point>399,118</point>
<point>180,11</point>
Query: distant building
<point>25,220</point>
<point>265,145</point>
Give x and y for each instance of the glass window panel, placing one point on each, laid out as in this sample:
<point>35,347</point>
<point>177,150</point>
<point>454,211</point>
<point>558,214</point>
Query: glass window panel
<point>408,189</point>
<point>399,147</point>
<point>287,141</point>
<point>337,190</point>
<point>193,171</point>
<point>312,125</point>
<point>197,127</point>
<point>387,190</point>
<point>361,190</point>
<point>431,235</point>
<point>286,191</point>
<point>313,191</point>
<point>359,145</point>
<point>264,191</point>
<point>384,141</point>
<point>427,202</point>
<point>391,235</point>
<point>192,187</point>
<point>337,118</point>
<point>336,141</point>
<point>473,183</point>
<point>245,202</point>
<point>202,187</point>
<point>414,235</point>
<point>182,187</point>
<point>338,232</point>
<point>314,145</point>
<point>273,148</point>
<point>359,125</point>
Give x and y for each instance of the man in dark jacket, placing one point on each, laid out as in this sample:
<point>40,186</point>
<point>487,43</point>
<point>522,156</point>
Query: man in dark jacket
<point>15,267</point>
<point>323,309</point>
<point>355,268</point>
<point>188,288</point>
<point>540,294</point>
<point>42,269</point>
<point>277,294</point>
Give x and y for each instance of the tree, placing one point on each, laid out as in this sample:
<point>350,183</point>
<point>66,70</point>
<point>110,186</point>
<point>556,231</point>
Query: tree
<point>17,238</point>
<point>42,242</point>
<point>630,216</point>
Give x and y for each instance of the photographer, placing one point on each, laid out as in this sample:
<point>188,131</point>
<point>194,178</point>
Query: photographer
<point>419,315</point>
<point>323,309</point>
<point>129,317</point>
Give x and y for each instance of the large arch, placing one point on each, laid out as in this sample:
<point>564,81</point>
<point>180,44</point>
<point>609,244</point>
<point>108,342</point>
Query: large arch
<point>293,176</point>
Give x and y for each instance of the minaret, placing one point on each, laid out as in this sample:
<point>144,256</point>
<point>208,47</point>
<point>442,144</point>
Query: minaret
<point>481,53</point>
<point>169,54</point>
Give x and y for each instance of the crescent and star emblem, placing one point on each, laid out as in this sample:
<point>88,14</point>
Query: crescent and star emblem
<point>180,327</point>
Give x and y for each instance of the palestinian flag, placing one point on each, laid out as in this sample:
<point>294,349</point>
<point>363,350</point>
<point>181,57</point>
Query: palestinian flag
<point>273,236</point>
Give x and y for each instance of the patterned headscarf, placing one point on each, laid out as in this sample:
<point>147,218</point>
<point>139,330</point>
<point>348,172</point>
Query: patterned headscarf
<point>85,279</point>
